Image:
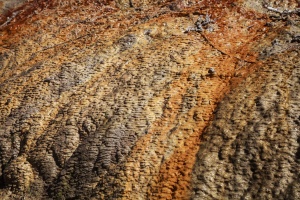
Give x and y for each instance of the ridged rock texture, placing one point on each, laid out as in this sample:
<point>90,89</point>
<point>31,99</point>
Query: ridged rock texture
<point>162,99</point>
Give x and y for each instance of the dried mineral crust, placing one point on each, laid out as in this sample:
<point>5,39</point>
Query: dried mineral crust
<point>132,100</point>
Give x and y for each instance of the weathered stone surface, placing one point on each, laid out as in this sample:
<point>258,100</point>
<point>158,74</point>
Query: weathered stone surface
<point>132,100</point>
<point>252,150</point>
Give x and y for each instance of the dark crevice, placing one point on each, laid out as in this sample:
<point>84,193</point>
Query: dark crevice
<point>298,151</point>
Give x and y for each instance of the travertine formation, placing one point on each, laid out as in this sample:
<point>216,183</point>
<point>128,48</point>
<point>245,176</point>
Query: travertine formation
<point>251,150</point>
<point>149,100</point>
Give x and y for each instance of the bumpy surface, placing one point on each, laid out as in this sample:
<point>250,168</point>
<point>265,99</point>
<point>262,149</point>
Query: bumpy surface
<point>251,150</point>
<point>149,100</point>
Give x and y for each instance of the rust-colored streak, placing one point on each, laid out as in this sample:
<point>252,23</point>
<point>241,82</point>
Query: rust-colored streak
<point>174,175</point>
<point>149,147</point>
<point>173,179</point>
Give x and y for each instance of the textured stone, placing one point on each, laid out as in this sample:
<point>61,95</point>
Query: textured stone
<point>264,151</point>
<point>117,100</point>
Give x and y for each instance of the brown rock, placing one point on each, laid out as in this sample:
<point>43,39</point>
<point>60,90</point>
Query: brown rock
<point>129,100</point>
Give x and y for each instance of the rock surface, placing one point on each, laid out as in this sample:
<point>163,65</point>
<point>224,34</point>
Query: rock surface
<point>149,99</point>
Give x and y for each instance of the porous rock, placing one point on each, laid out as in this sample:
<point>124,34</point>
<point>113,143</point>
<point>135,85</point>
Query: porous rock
<point>115,100</point>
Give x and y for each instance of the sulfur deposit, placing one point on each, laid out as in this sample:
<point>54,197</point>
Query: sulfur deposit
<point>163,99</point>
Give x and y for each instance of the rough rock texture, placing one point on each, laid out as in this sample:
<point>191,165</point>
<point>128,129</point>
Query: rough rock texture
<point>149,100</point>
<point>251,150</point>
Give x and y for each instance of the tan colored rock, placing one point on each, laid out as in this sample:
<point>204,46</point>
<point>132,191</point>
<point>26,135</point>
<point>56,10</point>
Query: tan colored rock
<point>131,100</point>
